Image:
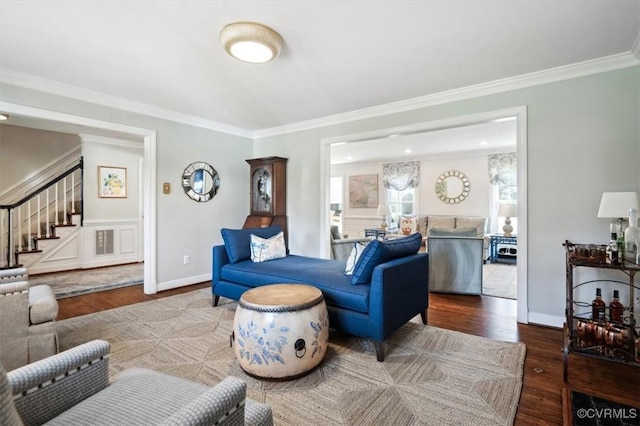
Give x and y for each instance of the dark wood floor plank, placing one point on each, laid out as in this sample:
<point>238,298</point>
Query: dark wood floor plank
<point>494,318</point>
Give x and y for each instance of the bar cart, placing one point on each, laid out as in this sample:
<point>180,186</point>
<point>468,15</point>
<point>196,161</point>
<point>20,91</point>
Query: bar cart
<point>601,338</point>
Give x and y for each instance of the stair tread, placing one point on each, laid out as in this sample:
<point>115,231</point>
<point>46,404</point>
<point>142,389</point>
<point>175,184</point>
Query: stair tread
<point>47,238</point>
<point>28,251</point>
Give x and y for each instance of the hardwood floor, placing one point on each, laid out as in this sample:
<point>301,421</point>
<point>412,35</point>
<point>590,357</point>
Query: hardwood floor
<point>495,318</point>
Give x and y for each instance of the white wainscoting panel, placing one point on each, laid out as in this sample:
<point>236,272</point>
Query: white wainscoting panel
<point>125,244</point>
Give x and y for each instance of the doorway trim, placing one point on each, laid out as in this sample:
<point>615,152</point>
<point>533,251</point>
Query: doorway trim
<point>149,194</point>
<point>519,112</point>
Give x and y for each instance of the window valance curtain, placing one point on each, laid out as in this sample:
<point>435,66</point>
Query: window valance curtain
<point>502,169</point>
<point>401,176</point>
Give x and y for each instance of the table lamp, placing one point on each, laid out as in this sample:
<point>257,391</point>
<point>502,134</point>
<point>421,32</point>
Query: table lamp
<point>507,210</point>
<point>383,210</point>
<point>616,206</point>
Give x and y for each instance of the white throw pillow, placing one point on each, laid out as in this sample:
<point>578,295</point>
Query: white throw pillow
<point>356,251</point>
<point>408,225</point>
<point>263,249</point>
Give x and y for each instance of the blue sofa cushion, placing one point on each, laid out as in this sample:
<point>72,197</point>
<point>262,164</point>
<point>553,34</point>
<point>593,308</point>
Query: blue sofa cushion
<point>237,242</point>
<point>326,275</point>
<point>378,252</point>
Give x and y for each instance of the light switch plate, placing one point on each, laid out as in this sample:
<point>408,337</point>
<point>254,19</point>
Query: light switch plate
<point>166,188</point>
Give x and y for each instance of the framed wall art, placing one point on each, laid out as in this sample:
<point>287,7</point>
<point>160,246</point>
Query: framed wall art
<point>363,191</point>
<point>112,182</point>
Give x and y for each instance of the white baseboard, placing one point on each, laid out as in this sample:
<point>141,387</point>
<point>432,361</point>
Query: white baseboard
<point>168,285</point>
<point>546,319</point>
<point>110,261</point>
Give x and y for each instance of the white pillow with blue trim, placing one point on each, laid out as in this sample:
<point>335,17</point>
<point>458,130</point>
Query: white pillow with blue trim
<point>263,249</point>
<point>356,251</point>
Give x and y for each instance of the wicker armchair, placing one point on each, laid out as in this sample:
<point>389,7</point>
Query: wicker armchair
<point>72,388</point>
<point>27,314</point>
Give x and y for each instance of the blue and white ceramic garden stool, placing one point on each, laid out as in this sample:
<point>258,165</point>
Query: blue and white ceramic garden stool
<point>281,330</point>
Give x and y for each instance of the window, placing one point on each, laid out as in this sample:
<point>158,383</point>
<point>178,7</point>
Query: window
<point>401,203</point>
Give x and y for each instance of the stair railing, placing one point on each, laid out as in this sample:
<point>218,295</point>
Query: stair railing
<point>12,221</point>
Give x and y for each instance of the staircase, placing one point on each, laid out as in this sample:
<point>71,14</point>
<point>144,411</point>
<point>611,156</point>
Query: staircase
<point>48,213</point>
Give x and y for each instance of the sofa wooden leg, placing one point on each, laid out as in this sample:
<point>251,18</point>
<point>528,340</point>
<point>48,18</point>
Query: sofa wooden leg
<point>215,301</point>
<point>423,315</point>
<point>379,350</point>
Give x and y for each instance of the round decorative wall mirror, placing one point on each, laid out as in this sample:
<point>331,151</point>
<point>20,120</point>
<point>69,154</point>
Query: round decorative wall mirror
<point>452,187</point>
<point>200,181</point>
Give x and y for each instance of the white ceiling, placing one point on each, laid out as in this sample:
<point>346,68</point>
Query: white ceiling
<point>339,56</point>
<point>492,137</point>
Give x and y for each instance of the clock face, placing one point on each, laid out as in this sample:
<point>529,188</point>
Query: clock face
<point>262,192</point>
<point>200,181</point>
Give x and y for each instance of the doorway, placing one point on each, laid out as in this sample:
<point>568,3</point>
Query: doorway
<point>519,113</point>
<point>78,124</point>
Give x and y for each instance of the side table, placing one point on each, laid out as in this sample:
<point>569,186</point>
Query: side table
<point>281,330</point>
<point>511,240</point>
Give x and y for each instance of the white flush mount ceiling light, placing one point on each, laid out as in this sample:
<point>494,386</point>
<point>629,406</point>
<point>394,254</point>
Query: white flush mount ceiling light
<point>251,42</point>
<point>3,116</point>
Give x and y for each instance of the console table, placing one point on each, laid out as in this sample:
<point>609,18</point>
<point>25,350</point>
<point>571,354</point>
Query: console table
<point>373,232</point>
<point>511,240</point>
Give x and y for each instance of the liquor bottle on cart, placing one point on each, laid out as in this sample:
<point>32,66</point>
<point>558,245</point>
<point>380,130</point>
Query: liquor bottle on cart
<point>616,309</point>
<point>598,307</point>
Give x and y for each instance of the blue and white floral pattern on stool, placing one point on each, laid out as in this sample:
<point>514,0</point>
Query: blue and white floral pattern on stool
<point>281,330</point>
<point>261,344</point>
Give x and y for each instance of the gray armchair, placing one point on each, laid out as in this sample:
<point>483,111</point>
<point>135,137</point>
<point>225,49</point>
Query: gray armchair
<point>72,388</point>
<point>341,246</point>
<point>455,264</point>
<point>27,314</point>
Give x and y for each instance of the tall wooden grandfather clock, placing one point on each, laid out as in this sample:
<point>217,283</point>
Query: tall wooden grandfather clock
<point>268,198</point>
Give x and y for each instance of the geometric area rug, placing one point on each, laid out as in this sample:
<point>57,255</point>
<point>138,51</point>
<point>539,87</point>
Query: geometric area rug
<point>430,376</point>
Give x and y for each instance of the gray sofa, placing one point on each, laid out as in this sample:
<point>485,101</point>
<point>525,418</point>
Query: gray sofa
<point>425,223</point>
<point>72,388</point>
<point>341,245</point>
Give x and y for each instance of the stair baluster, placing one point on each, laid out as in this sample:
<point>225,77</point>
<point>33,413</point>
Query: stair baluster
<point>13,240</point>
<point>47,214</point>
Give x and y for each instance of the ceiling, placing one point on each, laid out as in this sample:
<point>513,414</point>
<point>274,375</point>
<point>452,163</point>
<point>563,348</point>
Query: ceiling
<point>339,56</point>
<point>491,137</point>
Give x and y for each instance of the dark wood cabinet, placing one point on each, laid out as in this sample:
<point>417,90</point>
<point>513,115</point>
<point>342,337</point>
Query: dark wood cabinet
<point>268,193</point>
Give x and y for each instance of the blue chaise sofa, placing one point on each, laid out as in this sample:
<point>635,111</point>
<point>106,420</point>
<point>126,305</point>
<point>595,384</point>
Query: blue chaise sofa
<point>389,285</point>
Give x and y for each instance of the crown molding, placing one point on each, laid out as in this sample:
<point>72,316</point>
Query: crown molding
<point>567,72</point>
<point>68,91</point>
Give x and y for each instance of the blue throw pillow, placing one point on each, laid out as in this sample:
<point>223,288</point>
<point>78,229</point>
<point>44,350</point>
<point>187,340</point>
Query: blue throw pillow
<point>237,242</point>
<point>378,252</point>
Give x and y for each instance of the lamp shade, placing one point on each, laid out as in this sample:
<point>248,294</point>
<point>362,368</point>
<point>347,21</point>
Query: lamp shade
<point>617,204</point>
<point>383,210</point>
<point>507,210</point>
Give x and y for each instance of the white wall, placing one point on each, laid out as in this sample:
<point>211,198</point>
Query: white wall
<point>583,139</point>
<point>475,169</point>
<point>96,153</point>
<point>474,166</point>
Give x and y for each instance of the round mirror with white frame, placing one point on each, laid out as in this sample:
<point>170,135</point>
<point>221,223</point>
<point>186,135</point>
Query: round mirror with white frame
<point>452,187</point>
